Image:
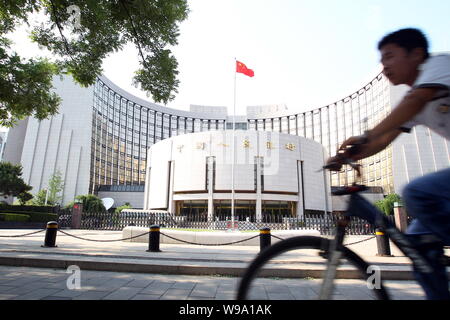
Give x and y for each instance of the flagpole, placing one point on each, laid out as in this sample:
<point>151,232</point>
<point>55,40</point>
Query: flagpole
<point>233,149</point>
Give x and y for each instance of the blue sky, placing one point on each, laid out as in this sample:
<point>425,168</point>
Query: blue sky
<point>305,54</point>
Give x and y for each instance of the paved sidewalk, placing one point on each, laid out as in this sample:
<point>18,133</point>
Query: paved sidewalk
<point>22,283</point>
<point>179,258</point>
<point>123,270</point>
<point>179,271</point>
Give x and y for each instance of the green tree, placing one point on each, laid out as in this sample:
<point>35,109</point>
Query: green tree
<point>91,203</point>
<point>390,200</point>
<point>117,211</point>
<point>380,205</point>
<point>80,40</point>
<point>387,204</point>
<point>127,205</point>
<point>24,197</point>
<point>11,182</point>
<point>55,186</point>
<point>50,196</point>
<point>39,199</point>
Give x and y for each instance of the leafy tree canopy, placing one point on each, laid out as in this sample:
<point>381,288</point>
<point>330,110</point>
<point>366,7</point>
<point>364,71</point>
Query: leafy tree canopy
<point>39,199</point>
<point>55,187</point>
<point>11,182</point>
<point>387,204</point>
<point>127,205</point>
<point>50,196</point>
<point>80,34</point>
<point>91,203</point>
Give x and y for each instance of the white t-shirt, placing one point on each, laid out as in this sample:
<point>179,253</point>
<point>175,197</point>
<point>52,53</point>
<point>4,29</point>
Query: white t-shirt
<point>434,73</point>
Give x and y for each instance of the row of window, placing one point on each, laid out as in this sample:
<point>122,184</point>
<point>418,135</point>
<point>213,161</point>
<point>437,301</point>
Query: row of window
<point>120,126</point>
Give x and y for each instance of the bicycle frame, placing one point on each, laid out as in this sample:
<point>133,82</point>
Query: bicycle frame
<point>333,260</point>
<point>360,207</point>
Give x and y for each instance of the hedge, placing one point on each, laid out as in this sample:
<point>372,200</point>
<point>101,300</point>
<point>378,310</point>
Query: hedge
<point>36,216</point>
<point>43,217</point>
<point>12,208</point>
<point>14,217</point>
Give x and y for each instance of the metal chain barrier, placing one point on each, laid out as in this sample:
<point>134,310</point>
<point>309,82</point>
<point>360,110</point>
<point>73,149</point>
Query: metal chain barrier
<point>208,244</point>
<point>116,240</point>
<point>133,237</point>
<point>22,235</point>
<point>276,237</point>
<point>348,244</point>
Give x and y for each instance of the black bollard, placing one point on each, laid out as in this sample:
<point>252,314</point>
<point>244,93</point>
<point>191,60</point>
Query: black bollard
<point>50,234</point>
<point>153,239</point>
<point>384,249</point>
<point>264,238</point>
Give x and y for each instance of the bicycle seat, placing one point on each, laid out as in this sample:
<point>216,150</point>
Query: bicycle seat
<point>340,191</point>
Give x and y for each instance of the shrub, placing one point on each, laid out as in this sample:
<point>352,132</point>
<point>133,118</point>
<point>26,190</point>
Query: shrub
<point>36,216</point>
<point>12,208</point>
<point>14,217</point>
<point>11,182</point>
<point>387,204</point>
<point>125,206</point>
<point>43,217</point>
<point>91,204</point>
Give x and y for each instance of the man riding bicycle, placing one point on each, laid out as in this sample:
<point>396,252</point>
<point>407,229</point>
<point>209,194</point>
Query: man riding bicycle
<point>405,60</point>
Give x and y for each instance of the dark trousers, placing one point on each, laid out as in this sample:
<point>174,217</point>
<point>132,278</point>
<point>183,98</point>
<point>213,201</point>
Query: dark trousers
<point>427,199</point>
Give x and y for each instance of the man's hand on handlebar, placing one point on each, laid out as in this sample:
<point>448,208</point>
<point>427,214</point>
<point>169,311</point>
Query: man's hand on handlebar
<point>335,163</point>
<point>347,154</point>
<point>354,145</point>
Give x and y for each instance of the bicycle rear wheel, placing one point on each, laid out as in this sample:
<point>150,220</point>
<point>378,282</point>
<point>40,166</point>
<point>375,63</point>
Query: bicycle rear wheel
<point>320,246</point>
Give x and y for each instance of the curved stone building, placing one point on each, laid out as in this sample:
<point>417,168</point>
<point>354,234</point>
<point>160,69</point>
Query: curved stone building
<point>274,174</point>
<point>124,127</point>
<point>330,125</point>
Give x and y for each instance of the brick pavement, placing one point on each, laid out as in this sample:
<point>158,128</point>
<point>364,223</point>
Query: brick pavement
<point>49,283</point>
<point>24,283</point>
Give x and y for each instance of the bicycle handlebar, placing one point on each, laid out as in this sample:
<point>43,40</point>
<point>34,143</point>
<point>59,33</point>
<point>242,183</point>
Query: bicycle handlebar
<point>343,157</point>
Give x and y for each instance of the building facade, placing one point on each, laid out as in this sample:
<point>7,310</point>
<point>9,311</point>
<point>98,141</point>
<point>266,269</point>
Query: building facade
<point>3,136</point>
<point>61,143</point>
<point>100,138</point>
<point>330,125</point>
<point>274,174</point>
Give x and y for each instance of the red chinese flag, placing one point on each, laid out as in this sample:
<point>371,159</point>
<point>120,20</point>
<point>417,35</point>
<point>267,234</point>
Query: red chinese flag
<point>242,68</point>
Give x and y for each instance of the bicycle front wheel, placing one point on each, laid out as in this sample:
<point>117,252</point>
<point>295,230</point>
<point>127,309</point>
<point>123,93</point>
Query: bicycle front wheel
<point>303,286</point>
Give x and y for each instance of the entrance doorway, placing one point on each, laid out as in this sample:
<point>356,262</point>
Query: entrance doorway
<point>243,210</point>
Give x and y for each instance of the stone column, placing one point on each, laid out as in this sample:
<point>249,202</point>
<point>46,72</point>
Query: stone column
<point>77,211</point>
<point>300,204</point>
<point>401,218</point>
<point>171,203</point>
<point>258,209</point>
<point>210,174</point>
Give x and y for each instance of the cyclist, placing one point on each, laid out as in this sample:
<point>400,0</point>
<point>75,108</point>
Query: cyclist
<point>405,60</point>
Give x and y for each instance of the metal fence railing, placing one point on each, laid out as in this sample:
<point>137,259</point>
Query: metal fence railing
<point>324,223</point>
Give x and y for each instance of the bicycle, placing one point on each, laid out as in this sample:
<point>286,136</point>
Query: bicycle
<point>333,250</point>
